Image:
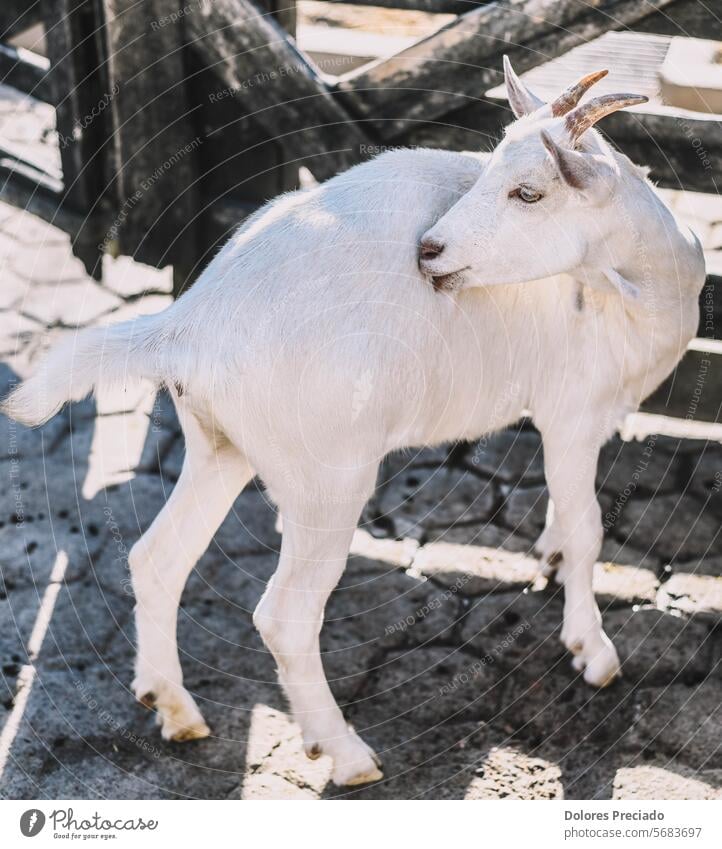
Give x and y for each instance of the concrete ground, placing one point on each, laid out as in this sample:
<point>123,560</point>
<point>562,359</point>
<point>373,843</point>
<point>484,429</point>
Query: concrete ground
<point>441,642</point>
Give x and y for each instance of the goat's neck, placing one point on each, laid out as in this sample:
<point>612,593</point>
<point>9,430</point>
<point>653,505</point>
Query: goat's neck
<point>647,248</point>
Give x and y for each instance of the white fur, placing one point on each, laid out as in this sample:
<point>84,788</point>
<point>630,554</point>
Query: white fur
<point>313,345</point>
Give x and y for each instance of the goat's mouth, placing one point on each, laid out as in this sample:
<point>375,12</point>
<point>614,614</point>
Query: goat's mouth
<point>449,282</point>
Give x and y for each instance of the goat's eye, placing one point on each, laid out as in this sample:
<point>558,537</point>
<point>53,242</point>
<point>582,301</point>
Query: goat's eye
<point>527,194</point>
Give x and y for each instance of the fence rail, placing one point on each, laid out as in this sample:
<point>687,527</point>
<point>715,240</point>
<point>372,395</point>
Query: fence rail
<point>213,105</point>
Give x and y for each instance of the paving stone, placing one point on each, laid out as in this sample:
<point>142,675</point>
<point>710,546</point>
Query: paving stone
<point>271,786</point>
<point>484,535</point>
<point>429,688</point>
<point>642,466</point>
<point>625,554</point>
<point>514,628</point>
<point>508,773</point>
<point>17,441</point>
<point>14,287</point>
<point>16,331</point>
<point>386,551</point>
<point>437,764</point>
<point>48,268</point>
<point>40,516</point>
<point>700,595</point>
<point>32,231</point>
<point>615,584</point>
<point>682,722</point>
<point>474,569</point>
<point>700,566</point>
<point>437,497</point>
<point>704,476</point>
<point>172,464</point>
<point>128,278</point>
<point>525,510</point>
<point>250,526</point>
<point>73,304</point>
<point>666,781</point>
<point>657,648</point>
<point>676,527</point>
<point>367,614</point>
<point>284,768</point>
<point>509,456</point>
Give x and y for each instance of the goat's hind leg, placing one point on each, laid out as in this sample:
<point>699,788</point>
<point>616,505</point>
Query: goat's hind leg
<point>160,563</point>
<point>289,617</point>
<point>548,548</point>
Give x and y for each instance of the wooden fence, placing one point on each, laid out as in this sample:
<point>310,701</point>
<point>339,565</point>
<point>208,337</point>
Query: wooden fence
<point>179,117</point>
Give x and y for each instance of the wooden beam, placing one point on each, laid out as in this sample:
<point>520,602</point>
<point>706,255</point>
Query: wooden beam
<point>156,142</point>
<point>25,71</point>
<point>683,149</point>
<point>259,64</point>
<point>688,18</point>
<point>18,15</point>
<point>30,189</point>
<point>77,91</point>
<point>438,7</point>
<point>461,61</point>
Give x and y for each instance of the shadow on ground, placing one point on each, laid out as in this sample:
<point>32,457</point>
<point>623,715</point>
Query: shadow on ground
<point>441,642</point>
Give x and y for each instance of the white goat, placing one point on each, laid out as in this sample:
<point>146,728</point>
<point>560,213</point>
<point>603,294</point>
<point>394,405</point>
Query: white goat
<point>392,269</point>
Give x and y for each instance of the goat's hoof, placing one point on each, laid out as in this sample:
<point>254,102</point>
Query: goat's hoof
<point>365,778</point>
<point>148,700</point>
<point>354,762</point>
<point>313,752</point>
<point>194,732</point>
<point>600,666</point>
<point>603,670</point>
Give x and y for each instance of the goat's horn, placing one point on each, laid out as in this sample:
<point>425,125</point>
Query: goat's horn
<point>585,116</point>
<point>568,99</point>
<point>521,99</point>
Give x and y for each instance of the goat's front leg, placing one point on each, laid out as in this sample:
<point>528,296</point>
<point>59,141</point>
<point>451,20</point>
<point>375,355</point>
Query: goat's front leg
<point>289,618</point>
<point>570,461</point>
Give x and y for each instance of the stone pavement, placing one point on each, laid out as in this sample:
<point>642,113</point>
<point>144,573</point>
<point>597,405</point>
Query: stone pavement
<point>441,642</point>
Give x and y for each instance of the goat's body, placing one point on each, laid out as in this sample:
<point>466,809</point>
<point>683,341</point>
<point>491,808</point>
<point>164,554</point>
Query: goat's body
<point>341,349</point>
<point>311,347</point>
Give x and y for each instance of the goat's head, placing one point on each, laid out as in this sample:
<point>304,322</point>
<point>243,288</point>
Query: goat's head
<point>543,200</point>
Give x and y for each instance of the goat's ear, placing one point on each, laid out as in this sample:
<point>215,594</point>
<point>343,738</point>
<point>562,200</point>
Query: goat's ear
<point>574,168</point>
<point>521,100</point>
<point>625,287</point>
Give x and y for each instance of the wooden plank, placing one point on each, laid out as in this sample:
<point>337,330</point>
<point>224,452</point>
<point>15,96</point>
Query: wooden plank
<point>155,139</point>
<point>77,90</point>
<point>683,149</point>
<point>32,190</point>
<point>694,389</point>
<point>277,86</point>
<point>461,61</point>
<point>689,18</point>
<point>18,15</point>
<point>437,7</point>
<point>25,71</point>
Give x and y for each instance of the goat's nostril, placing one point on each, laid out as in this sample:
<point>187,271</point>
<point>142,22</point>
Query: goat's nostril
<point>429,249</point>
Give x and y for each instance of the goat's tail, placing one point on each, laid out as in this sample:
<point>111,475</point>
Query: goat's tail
<point>115,355</point>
